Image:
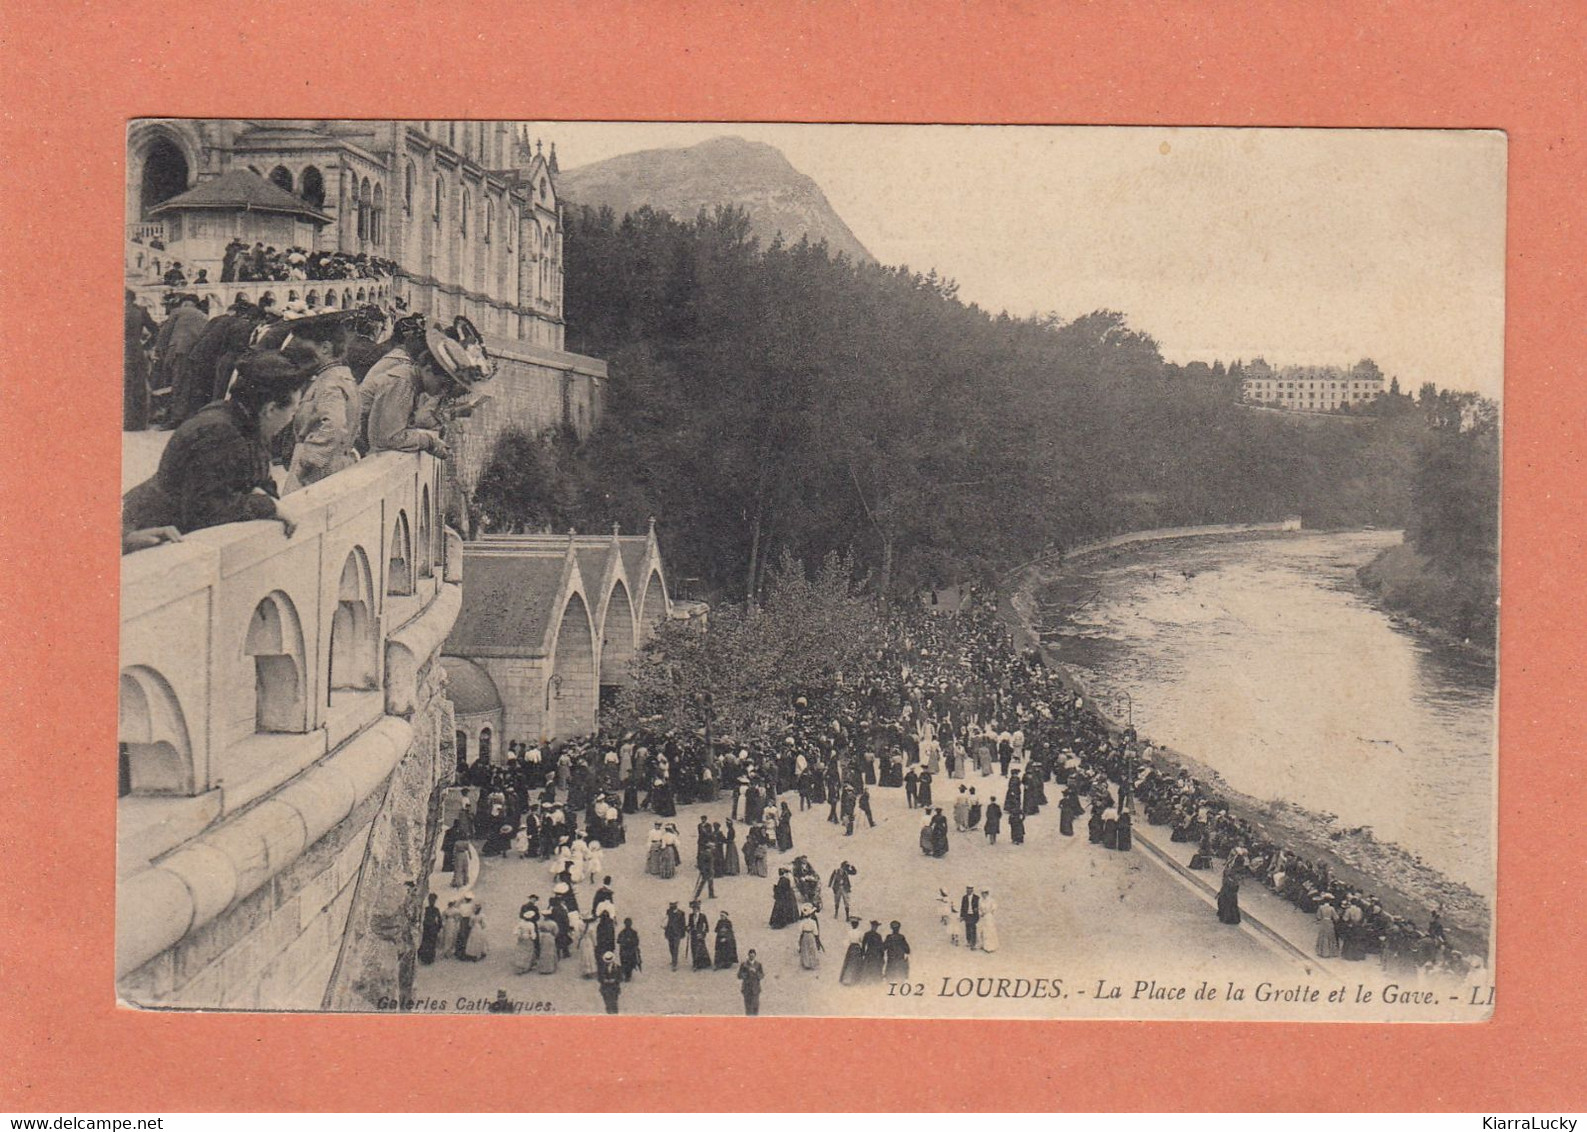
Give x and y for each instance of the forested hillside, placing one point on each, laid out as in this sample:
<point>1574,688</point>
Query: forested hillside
<point>1447,572</point>
<point>764,400</point>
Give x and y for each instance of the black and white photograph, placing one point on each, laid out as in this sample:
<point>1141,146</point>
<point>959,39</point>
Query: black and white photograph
<point>743,568</point>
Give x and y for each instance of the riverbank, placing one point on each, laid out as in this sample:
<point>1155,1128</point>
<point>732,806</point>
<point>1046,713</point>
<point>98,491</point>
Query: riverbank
<point>1406,885</point>
<point>1457,610</point>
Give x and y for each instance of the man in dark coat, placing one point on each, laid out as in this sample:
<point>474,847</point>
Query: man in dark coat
<point>895,955</point>
<point>864,803</point>
<point>675,930</point>
<point>871,955</point>
<point>705,858</point>
<point>178,333</point>
<point>430,933</point>
<point>610,977</point>
<point>200,379</point>
<point>750,975</point>
<point>628,950</point>
<point>970,914</point>
<point>136,323</point>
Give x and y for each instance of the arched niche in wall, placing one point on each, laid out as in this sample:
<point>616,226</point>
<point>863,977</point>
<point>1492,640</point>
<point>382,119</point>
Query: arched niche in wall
<point>355,633</point>
<point>399,567</point>
<point>425,551</point>
<point>275,642</point>
<point>155,751</point>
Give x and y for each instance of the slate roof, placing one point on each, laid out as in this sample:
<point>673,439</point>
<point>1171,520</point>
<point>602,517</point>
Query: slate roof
<point>633,549</point>
<point>509,601</point>
<point>244,189</point>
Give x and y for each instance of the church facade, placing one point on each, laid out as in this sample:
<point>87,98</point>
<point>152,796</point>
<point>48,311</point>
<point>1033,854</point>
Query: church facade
<point>456,218</point>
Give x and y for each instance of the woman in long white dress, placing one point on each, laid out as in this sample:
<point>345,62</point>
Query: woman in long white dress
<point>986,930</point>
<point>526,940</point>
<point>588,968</point>
<point>809,938</point>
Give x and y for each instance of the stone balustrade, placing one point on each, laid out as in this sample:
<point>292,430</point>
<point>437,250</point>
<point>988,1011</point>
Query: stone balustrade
<point>318,295</point>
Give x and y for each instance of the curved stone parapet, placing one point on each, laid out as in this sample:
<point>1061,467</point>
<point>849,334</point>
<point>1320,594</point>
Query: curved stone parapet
<point>256,742</point>
<point>157,907</point>
<point>415,643</point>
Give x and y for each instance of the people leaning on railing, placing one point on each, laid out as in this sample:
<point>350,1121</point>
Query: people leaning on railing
<point>407,394</point>
<point>325,428</point>
<point>216,468</point>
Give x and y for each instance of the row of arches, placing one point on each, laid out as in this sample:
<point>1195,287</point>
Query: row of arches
<point>154,742</point>
<point>309,185</point>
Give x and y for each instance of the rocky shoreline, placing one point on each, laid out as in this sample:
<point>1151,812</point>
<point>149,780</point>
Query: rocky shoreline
<point>1405,885</point>
<point>1378,589</point>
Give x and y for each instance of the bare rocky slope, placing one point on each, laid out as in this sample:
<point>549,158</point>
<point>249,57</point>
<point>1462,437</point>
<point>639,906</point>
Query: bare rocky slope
<point>754,176</point>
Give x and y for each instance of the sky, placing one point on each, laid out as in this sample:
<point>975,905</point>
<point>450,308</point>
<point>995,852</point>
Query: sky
<point>1308,247</point>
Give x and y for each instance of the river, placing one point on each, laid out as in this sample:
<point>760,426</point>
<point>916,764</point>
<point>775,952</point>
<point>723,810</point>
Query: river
<point>1262,658</point>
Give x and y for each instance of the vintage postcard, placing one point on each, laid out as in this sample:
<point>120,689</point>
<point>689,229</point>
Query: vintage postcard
<point>837,570</point>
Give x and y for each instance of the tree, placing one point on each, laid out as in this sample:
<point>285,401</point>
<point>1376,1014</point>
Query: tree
<point>750,661</point>
<point>528,483</point>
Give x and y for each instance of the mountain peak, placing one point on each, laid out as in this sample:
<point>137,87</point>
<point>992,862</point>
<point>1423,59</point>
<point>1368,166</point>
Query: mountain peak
<point>726,170</point>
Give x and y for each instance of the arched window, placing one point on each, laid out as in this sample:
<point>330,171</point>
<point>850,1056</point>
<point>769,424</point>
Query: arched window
<point>490,219</point>
<point>281,176</point>
<point>165,174</point>
<point>355,638</point>
<point>275,641</point>
<point>426,547</point>
<point>330,298</point>
<point>152,737</point>
<point>347,297</point>
<point>399,572</point>
<point>312,299</point>
<point>366,209</point>
<point>463,214</point>
<point>440,199</point>
<point>484,745</point>
<point>407,187</point>
<point>312,187</point>
<point>378,223</point>
<point>462,746</point>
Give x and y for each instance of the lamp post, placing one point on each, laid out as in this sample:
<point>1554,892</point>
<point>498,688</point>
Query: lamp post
<point>553,693</point>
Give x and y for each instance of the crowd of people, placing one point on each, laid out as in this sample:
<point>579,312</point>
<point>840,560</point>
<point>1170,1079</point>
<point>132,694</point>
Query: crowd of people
<point>260,263</point>
<point>241,263</point>
<point>251,391</point>
<point>949,700</point>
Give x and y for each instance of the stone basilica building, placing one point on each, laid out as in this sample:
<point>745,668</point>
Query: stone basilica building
<point>467,210</point>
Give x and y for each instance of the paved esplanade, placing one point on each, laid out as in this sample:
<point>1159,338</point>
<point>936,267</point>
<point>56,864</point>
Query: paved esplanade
<point>1066,909</point>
